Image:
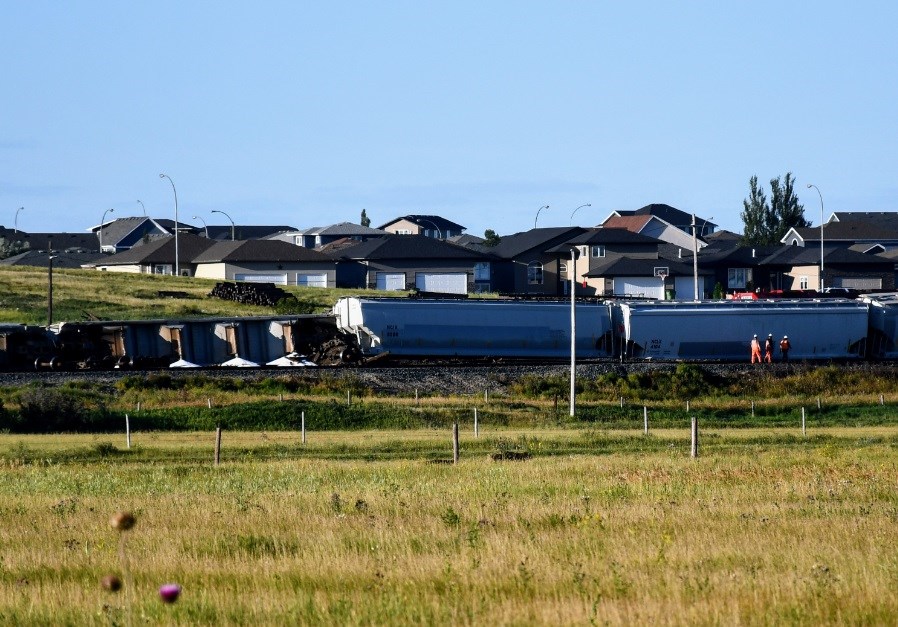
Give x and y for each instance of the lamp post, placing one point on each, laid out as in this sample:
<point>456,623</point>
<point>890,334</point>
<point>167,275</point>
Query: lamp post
<point>177,258</point>
<point>102,222</point>
<point>573,329</point>
<point>537,214</point>
<point>50,290</point>
<point>16,221</point>
<point>229,218</point>
<point>576,210</point>
<point>810,185</point>
<point>206,228</point>
<point>142,207</point>
<point>439,232</point>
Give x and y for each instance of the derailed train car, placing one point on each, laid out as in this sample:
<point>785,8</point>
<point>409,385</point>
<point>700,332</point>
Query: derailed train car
<point>203,342</point>
<point>474,328</point>
<point>883,334</point>
<point>722,330</point>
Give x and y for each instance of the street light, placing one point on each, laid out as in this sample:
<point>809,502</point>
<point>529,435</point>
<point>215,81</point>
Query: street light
<point>439,232</point>
<point>576,210</point>
<point>537,214</point>
<point>810,185</point>
<point>16,221</point>
<point>102,222</point>
<point>177,264</point>
<point>144,209</point>
<point>50,290</point>
<point>204,224</point>
<point>573,329</point>
<point>229,218</point>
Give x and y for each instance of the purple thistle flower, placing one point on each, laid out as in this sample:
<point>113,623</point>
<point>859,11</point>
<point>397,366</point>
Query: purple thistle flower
<point>169,592</point>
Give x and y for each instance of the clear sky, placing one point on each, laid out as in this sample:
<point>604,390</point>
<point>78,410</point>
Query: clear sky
<point>303,113</point>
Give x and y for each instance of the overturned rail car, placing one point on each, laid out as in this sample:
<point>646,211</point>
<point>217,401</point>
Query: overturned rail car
<point>722,330</point>
<point>475,328</point>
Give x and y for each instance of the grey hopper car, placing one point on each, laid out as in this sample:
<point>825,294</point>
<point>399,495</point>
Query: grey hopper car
<point>475,328</point>
<point>817,329</point>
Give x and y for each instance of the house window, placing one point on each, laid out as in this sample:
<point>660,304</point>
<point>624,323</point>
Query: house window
<point>403,232</point>
<point>298,240</point>
<point>482,271</point>
<point>803,282</point>
<point>535,273</point>
<point>737,278</point>
<point>162,268</point>
<point>562,268</point>
<point>598,251</point>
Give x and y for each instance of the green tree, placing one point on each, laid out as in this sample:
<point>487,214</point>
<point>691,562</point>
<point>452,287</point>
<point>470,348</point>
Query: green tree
<point>785,207</point>
<point>365,220</point>
<point>755,215</point>
<point>8,248</point>
<point>767,222</point>
<point>491,238</point>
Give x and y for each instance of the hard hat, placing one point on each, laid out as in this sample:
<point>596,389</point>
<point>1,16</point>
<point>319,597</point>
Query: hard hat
<point>756,335</point>
<point>785,337</point>
<point>770,335</point>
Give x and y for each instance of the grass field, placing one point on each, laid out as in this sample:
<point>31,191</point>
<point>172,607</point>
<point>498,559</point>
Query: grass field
<point>598,526</point>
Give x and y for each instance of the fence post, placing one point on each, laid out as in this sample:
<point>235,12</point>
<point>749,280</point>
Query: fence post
<point>476,425</point>
<point>455,442</point>
<point>645,419</point>
<point>694,437</point>
<point>486,396</point>
<point>621,402</point>
<point>217,445</point>
<point>127,431</point>
<point>752,409</point>
<point>803,430</point>
<point>881,400</point>
<point>303,423</point>
<point>416,397</point>
<point>281,397</point>
<point>209,403</point>
<point>818,403</point>
<point>348,398</point>
<point>138,407</point>
<point>687,407</point>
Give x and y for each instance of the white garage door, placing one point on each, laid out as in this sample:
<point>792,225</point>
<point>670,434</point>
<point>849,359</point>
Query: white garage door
<point>858,283</point>
<point>312,280</point>
<point>641,286</point>
<point>442,283</point>
<point>277,279</point>
<point>391,280</point>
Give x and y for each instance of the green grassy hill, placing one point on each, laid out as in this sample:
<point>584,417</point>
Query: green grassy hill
<point>82,294</point>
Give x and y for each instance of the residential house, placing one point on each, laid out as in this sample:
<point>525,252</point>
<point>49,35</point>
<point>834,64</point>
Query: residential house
<point>526,265</point>
<point>84,242</point>
<point>156,255</point>
<point>227,232</point>
<point>124,233</point>
<point>662,222</point>
<point>265,261</point>
<point>319,236</point>
<point>429,226</point>
<point>619,262</point>
<point>861,231</point>
<point>61,259</point>
<point>396,262</point>
<point>796,268</point>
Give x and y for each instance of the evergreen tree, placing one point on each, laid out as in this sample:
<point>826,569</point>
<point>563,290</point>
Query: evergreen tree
<point>365,220</point>
<point>491,238</point>
<point>788,212</point>
<point>755,215</point>
<point>9,248</point>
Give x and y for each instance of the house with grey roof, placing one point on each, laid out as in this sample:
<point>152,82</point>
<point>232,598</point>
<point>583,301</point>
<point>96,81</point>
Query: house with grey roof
<point>265,261</point>
<point>319,236</point>
<point>398,262</point>
<point>430,226</point>
<point>72,242</point>
<point>155,255</point>
<point>662,222</point>
<point>527,264</point>
<point>864,231</point>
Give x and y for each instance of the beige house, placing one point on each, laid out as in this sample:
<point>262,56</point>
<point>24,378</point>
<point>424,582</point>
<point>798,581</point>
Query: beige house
<point>266,261</point>
<point>428,226</point>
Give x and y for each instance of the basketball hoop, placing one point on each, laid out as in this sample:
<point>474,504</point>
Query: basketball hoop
<point>661,273</point>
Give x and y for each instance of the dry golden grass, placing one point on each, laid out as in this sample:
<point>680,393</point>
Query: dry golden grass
<point>754,532</point>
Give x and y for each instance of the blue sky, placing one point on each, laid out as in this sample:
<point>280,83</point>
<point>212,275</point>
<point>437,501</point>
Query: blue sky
<point>303,113</point>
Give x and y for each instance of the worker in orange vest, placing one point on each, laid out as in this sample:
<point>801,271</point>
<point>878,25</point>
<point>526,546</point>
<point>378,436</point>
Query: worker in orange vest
<point>755,350</point>
<point>768,349</point>
<point>785,346</point>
